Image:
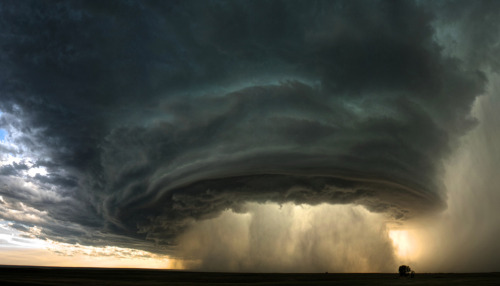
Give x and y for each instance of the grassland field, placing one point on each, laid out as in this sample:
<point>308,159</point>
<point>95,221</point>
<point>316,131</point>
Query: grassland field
<point>27,275</point>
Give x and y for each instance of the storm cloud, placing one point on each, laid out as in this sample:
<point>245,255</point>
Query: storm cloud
<point>148,116</point>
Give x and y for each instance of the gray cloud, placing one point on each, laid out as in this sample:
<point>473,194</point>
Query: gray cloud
<point>151,115</point>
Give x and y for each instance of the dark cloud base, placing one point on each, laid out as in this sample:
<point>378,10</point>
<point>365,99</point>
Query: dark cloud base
<point>206,199</point>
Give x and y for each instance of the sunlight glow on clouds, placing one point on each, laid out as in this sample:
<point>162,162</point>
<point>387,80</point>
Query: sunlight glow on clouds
<point>405,244</point>
<point>24,248</point>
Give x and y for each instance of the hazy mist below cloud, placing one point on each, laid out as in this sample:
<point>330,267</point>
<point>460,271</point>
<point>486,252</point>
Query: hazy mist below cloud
<point>464,237</point>
<point>291,238</point>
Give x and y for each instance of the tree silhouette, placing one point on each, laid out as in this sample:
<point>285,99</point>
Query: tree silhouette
<point>405,270</point>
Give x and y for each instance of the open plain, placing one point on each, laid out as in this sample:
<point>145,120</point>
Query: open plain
<point>24,275</point>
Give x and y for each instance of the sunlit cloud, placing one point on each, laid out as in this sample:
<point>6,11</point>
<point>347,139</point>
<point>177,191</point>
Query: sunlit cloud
<point>24,248</point>
<point>406,245</point>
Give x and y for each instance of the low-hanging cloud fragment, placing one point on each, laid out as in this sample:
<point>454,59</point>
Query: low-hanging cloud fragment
<point>150,115</point>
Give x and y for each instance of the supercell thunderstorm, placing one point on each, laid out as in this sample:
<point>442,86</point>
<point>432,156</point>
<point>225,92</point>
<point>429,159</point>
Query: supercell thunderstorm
<point>148,116</point>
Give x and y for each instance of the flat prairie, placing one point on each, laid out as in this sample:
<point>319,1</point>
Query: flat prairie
<point>28,275</point>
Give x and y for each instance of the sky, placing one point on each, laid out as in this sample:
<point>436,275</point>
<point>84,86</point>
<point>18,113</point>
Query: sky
<point>250,136</point>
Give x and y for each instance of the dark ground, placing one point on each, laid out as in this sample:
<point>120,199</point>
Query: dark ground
<point>18,275</point>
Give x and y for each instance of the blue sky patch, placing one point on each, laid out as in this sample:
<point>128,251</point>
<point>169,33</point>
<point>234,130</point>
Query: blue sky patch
<point>3,133</point>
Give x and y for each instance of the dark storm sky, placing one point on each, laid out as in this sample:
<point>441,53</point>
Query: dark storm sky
<point>148,115</point>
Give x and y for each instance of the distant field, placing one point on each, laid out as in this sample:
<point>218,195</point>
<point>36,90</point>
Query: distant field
<point>16,275</point>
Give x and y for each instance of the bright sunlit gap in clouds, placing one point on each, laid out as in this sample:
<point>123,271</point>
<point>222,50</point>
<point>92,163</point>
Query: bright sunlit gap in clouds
<point>405,245</point>
<point>24,248</point>
<point>17,154</point>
